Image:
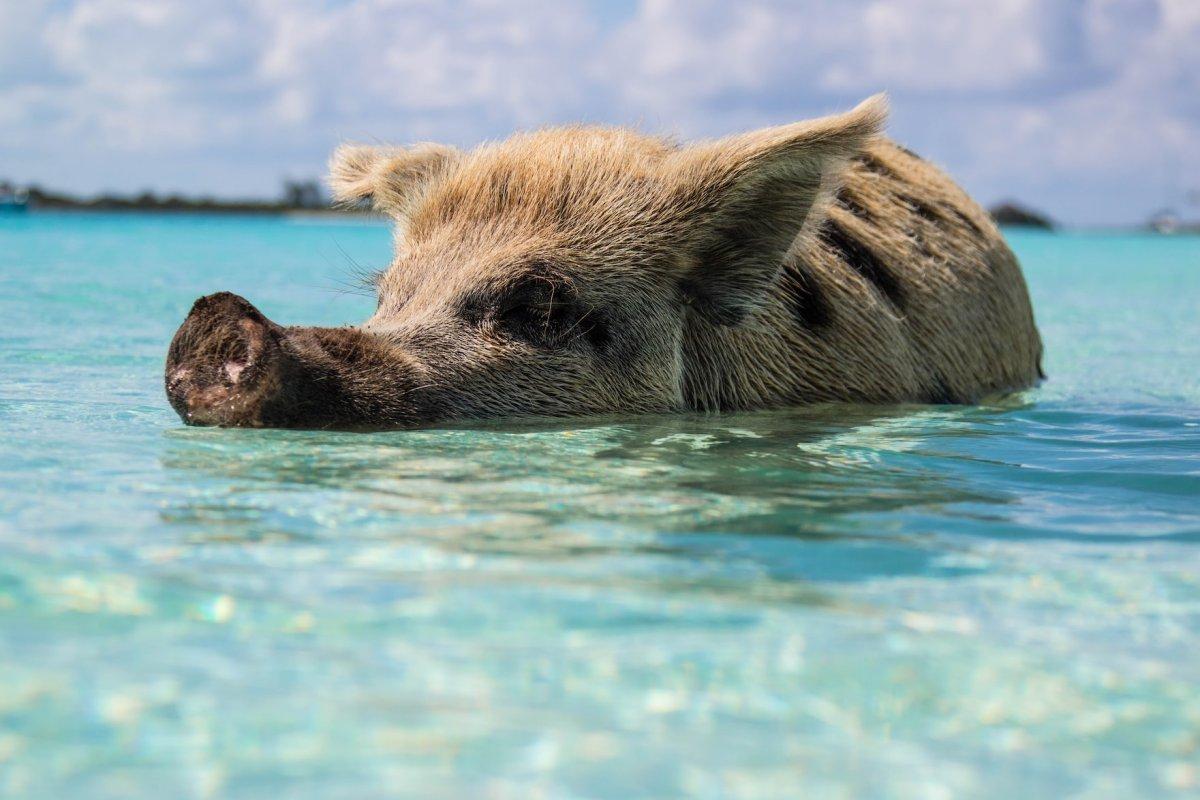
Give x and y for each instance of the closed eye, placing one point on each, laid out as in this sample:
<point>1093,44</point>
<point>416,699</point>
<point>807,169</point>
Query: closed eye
<point>538,309</point>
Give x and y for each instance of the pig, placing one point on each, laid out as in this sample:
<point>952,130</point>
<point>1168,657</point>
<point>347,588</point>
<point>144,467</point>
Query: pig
<point>585,270</point>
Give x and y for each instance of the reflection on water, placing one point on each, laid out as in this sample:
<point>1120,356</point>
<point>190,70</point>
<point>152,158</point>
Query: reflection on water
<point>675,486</point>
<point>907,602</point>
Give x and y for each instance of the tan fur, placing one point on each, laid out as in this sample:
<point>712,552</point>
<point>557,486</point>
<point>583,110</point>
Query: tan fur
<point>621,210</point>
<point>586,270</point>
<point>967,332</point>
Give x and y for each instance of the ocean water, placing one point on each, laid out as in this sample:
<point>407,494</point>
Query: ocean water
<point>918,601</point>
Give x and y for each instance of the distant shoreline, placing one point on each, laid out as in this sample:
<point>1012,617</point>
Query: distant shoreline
<point>231,209</point>
<point>189,206</point>
<point>1008,216</point>
<point>368,216</point>
<point>298,197</point>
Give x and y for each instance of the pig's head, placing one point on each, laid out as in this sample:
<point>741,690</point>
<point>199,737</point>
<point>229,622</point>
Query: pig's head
<point>555,273</point>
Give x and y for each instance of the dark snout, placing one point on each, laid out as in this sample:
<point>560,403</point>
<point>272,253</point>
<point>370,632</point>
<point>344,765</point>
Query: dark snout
<point>225,364</point>
<point>229,365</point>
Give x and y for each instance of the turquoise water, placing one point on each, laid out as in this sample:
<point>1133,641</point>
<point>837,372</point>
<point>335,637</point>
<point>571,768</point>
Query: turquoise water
<point>901,602</point>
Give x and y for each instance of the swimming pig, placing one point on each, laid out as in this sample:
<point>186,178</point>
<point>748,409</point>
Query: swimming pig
<point>583,270</point>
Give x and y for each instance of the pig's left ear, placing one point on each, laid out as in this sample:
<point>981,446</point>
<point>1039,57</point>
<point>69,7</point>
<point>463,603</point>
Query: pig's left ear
<point>391,178</point>
<point>748,197</point>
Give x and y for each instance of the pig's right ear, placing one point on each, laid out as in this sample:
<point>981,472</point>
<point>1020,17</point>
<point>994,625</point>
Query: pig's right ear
<point>391,178</point>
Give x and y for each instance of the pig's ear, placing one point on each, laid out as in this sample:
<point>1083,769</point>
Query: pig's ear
<point>748,197</point>
<point>389,177</point>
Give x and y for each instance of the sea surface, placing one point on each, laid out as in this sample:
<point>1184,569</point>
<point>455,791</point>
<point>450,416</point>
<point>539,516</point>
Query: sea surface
<point>929,602</point>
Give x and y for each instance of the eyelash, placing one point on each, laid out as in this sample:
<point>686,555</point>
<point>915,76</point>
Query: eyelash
<point>538,314</point>
<point>547,314</point>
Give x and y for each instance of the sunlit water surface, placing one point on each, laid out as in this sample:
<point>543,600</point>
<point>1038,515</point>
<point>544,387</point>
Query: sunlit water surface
<point>995,601</point>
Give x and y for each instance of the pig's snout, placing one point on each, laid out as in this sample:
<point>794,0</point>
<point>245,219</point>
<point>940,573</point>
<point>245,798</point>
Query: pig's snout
<point>225,363</point>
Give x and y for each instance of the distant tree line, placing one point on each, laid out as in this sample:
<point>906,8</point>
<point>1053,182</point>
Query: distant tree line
<point>297,195</point>
<point>308,195</point>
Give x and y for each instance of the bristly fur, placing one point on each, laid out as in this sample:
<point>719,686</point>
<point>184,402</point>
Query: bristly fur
<point>816,261</point>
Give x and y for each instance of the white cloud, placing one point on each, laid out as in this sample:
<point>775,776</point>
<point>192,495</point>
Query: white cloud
<point>378,61</point>
<point>156,74</point>
<point>1023,97</point>
<point>110,42</point>
<point>1039,98</point>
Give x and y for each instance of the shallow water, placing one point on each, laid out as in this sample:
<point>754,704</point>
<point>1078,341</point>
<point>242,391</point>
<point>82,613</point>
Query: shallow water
<point>902,602</point>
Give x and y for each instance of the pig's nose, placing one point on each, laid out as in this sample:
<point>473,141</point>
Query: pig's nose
<point>223,363</point>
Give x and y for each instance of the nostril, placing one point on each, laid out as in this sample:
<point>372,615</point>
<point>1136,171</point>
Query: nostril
<point>241,349</point>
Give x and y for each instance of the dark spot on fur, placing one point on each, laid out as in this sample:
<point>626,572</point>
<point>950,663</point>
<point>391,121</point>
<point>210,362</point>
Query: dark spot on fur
<point>965,220</point>
<point>922,209</point>
<point>860,258</point>
<point>844,199</point>
<point>909,153</point>
<point>872,164</point>
<point>806,298</point>
<point>596,329</point>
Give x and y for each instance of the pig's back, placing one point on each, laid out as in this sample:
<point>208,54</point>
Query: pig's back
<point>903,290</point>
<point>925,253</point>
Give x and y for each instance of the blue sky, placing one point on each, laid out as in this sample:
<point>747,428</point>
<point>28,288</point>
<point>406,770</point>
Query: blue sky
<point>1089,109</point>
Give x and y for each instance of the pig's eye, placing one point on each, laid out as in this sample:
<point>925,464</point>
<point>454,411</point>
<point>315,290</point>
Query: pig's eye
<point>539,311</point>
<point>542,319</point>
